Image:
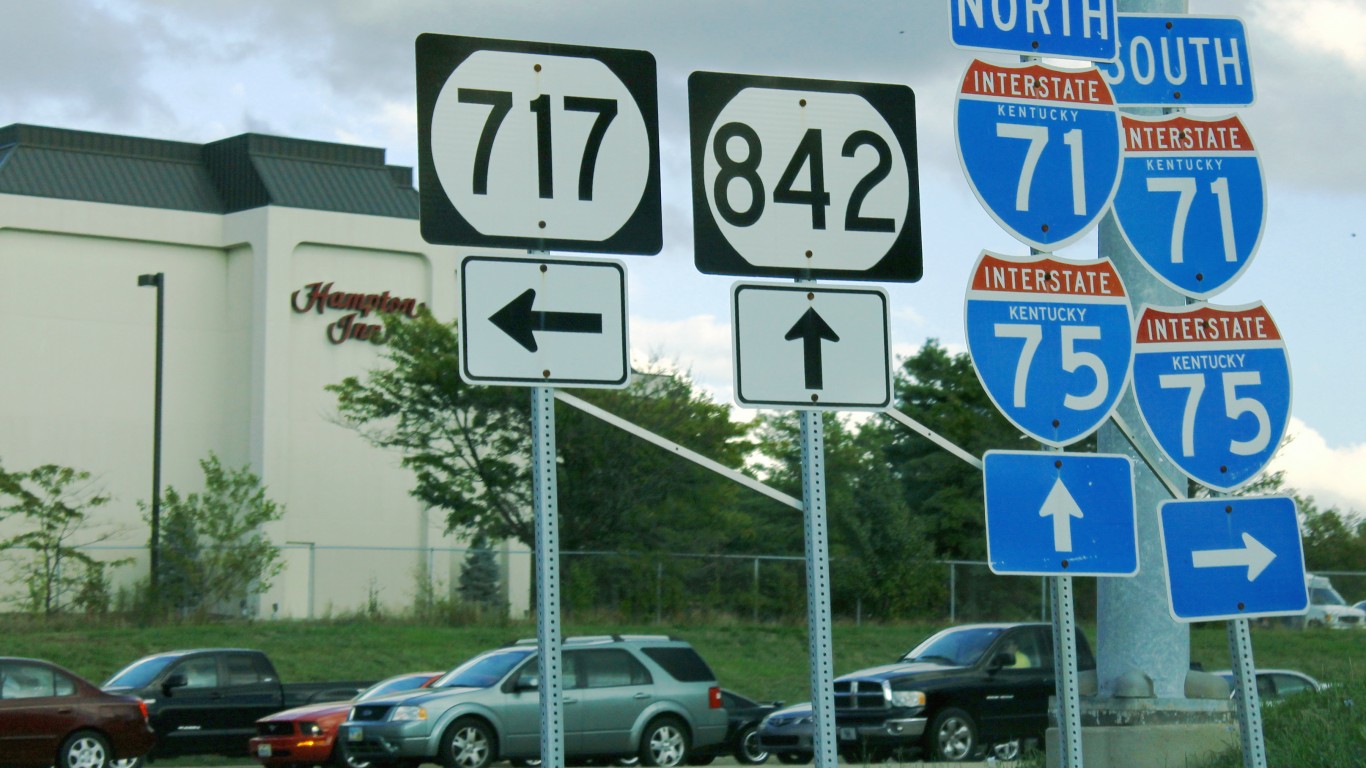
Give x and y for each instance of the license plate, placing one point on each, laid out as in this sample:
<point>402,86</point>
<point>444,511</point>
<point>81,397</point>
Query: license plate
<point>848,734</point>
<point>354,734</point>
<point>263,750</point>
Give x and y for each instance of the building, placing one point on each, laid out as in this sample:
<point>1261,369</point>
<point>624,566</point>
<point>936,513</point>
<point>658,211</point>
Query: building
<point>279,256</point>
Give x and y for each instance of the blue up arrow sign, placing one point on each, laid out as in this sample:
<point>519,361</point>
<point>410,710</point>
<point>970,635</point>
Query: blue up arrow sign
<point>1233,558</point>
<point>1052,513</point>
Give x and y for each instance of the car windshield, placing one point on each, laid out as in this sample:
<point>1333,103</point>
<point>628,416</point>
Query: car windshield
<point>957,647</point>
<point>1325,596</point>
<point>397,684</point>
<point>484,670</point>
<point>139,674</point>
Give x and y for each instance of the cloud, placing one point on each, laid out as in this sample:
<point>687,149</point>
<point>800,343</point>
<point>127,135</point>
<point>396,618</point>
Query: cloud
<point>698,345</point>
<point>1333,476</point>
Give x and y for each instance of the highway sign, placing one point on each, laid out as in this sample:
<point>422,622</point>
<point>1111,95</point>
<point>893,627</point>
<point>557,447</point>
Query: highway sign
<point>1052,513</point>
<point>543,322</point>
<point>799,346</point>
<point>1051,340</point>
<point>1181,61</point>
<point>538,146</point>
<point>804,178</point>
<point>1213,387</point>
<point>1079,30</point>
<point>1192,199</point>
<point>1233,558</point>
<point>1040,148</point>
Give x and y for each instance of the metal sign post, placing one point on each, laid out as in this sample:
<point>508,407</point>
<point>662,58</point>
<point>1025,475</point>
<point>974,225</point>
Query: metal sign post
<point>818,588</point>
<point>547,574</point>
<point>1249,702</point>
<point>1065,661</point>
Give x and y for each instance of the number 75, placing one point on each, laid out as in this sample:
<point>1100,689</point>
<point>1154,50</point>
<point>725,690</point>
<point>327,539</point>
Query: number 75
<point>1234,407</point>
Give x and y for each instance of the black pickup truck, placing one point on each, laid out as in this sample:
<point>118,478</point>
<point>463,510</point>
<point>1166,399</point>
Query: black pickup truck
<point>207,701</point>
<point>958,692</point>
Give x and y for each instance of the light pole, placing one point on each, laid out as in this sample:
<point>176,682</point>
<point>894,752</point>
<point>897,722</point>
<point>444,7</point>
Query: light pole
<point>159,281</point>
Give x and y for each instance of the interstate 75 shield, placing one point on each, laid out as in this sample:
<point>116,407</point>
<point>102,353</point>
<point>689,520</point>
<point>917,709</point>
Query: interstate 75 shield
<point>1051,340</point>
<point>1213,387</point>
<point>1040,147</point>
<point>1192,199</point>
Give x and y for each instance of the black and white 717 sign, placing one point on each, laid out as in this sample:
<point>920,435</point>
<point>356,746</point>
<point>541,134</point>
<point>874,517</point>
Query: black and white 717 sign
<point>804,178</point>
<point>538,146</point>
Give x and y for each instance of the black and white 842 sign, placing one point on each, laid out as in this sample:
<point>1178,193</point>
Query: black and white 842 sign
<point>804,178</point>
<point>538,145</point>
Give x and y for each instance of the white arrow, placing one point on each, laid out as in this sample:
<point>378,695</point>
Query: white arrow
<point>1253,554</point>
<point>1063,508</point>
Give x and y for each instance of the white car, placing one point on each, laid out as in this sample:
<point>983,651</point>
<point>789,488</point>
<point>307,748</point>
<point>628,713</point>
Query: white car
<point>1273,684</point>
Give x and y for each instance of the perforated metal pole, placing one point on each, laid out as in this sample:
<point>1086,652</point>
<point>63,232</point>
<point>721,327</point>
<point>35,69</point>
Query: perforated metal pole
<point>547,574</point>
<point>1249,702</point>
<point>1065,662</point>
<point>818,588</point>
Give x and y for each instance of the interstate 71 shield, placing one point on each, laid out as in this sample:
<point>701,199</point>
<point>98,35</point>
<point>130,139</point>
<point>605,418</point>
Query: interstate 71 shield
<point>1213,387</point>
<point>1040,147</point>
<point>1051,340</point>
<point>1192,199</point>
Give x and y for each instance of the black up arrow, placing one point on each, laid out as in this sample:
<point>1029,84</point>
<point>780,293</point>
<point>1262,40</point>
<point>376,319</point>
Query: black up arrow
<point>812,329</point>
<point>518,320</point>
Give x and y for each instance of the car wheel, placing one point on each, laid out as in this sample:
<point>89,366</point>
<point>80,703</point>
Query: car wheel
<point>128,762</point>
<point>794,758</point>
<point>1006,750</point>
<point>468,743</point>
<point>748,751</point>
<point>341,758</point>
<point>84,749</point>
<point>952,736</point>
<point>626,762</point>
<point>665,743</point>
<point>527,762</point>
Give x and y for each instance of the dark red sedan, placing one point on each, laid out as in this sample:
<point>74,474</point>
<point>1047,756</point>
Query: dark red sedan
<point>51,716</point>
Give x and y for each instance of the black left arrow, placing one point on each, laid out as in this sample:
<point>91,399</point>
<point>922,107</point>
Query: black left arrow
<point>812,329</point>
<point>519,320</point>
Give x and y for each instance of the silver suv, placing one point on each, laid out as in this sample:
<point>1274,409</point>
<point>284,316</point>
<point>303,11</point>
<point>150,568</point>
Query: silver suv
<point>646,696</point>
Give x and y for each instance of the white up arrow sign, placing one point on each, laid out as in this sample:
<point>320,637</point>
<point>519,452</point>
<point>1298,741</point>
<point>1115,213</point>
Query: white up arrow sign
<point>1063,508</point>
<point>1253,554</point>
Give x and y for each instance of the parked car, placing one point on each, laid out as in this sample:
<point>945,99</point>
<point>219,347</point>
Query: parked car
<point>307,735</point>
<point>649,696</point>
<point>959,689</point>
<point>207,701</point>
<point>1327,608</point>
<point>789,734</point>
<point>1274,684</point>
<point>52,716</point>
<point>742,731</point>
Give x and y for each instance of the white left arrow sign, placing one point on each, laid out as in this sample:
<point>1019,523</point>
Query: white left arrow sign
<point>1062,507</point>
<point>1252,554</point>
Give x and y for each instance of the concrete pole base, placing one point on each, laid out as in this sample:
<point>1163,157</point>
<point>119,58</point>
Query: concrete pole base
<point>1149,733</point>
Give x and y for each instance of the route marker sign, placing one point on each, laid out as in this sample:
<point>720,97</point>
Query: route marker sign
<point>1192,199</point>
<point>1040,147</point>
<point>1213,387</point>
<point>1051,513</point>
<point>538,146</point>
<point>1181,61</point>
<point>804,178</point>
<point>1233,558</point>
<point>1077,30</point>
<point>1051,340</point>
<point>800,346</point>
<point>543,322</point>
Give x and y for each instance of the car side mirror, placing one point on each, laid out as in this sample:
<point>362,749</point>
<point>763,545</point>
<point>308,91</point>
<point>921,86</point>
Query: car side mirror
<point>1002,660</point>
<point>529,683</point>
<point>174,681</point>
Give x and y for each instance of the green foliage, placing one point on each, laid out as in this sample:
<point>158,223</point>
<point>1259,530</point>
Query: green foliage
<point>1333,541</point>
<point>55,503</point>
<point>1312,730</point>
<point>216,552</point>
<point>479,584</point>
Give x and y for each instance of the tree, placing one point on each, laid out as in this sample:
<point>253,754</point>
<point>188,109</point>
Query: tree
<point>58,502</point>
<point>217,552</point>
<point>479,577</point>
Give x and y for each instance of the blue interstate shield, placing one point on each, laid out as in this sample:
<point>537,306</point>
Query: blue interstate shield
<point>1040,148</point>
<point>1213,387</point>
<point>1051,340</point>
<point>1192,199</point>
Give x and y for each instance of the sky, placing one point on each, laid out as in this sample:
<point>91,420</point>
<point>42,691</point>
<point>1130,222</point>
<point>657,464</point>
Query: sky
<point>343,71</point>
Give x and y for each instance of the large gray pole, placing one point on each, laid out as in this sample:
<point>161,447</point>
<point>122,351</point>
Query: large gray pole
<point>1134,629</point>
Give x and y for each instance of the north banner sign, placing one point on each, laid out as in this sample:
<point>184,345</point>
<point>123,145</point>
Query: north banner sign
<point>1192,199</point>
<point>1051,341</point>
<point>1055,514</point>
<point>1233,558</point>
<point>1040,147</point>
<point>1213,387</point>
<point>1181,61</point>
<point>1076,30</point>
<point>538,146</point>
<point>804,178</point>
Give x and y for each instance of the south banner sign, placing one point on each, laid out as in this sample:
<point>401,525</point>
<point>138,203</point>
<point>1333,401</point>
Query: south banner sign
<point>1213,387</point>
<point>1051,341</point>
<point>1077,30</point>
<point>1192,199</point>
<point>1040,147</point>
<point>1181,61</point>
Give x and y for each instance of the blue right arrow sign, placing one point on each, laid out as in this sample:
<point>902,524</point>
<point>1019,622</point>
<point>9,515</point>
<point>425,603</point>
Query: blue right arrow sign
<point>1233,558</point>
